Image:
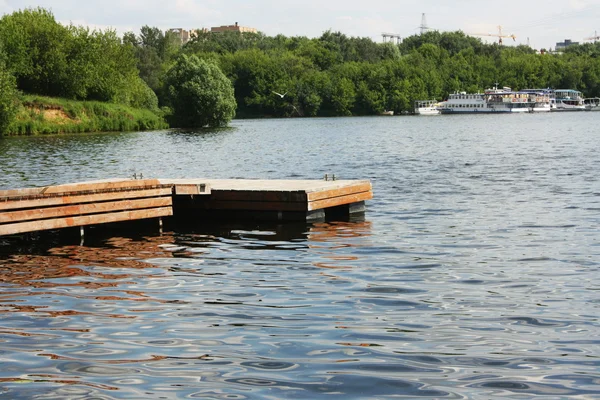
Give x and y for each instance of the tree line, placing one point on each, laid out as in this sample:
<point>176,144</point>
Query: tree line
<point>216,76</point>
<point>339,75</point>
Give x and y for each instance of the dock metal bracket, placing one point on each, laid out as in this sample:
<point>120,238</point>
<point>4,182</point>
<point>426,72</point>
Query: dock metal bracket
<point>192,189</point>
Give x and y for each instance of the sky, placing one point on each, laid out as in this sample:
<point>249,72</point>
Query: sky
<point>539,23</point>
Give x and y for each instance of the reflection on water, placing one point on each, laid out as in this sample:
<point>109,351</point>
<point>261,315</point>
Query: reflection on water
<point>245,314</point>
<point>474,273</point>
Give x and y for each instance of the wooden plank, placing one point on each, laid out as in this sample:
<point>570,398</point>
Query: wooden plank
<point>59,223</point>
<point>82,209</point>
<point>262,185</point>
<point>338,201</point>
<point>102,185</point>
<point>83,187</point>
<point>45,201</point>
<point>22,192</point>
<point>342,191</point>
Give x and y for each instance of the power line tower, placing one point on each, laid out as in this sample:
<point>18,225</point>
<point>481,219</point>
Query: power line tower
<point>424,28</point>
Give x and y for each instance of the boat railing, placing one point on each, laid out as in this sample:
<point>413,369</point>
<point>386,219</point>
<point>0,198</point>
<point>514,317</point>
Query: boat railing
<point>425,103</point>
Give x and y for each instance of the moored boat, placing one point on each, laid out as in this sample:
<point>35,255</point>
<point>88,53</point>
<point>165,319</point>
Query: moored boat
<point>592,103</point>
<point>567,100</point>
<point>539,99</point>
<point>494,100</point>
<point>464,103</point>
<point>427,107</point>
<point>506,100</point>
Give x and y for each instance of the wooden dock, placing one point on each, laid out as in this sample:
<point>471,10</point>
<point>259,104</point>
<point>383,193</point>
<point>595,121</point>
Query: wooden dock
<point>117,200</point>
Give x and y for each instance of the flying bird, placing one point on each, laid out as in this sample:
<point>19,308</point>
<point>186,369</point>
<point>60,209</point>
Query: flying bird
<point>279,94</point>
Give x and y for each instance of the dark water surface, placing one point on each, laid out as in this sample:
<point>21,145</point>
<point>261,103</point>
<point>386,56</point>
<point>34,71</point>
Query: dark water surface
<point>475,273</point>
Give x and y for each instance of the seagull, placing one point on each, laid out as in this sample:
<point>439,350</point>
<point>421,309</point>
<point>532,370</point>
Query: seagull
<point>279,94</point>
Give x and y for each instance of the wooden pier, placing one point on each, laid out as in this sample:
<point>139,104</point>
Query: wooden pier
<point>117,200</point>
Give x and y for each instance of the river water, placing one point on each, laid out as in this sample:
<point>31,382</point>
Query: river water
<point>474,273</point>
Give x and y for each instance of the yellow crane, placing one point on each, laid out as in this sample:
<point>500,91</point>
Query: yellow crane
<point>499,35</point>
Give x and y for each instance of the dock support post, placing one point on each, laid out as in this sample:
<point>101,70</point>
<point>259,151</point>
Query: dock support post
<point>357,208</point>
<point>315,215</point>
<point>160,225</point>
<point>81,235</point>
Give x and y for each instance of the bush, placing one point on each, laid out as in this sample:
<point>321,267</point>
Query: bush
<point>199,94</point>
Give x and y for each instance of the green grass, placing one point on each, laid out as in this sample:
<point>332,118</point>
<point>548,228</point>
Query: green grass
<point>44,115</point>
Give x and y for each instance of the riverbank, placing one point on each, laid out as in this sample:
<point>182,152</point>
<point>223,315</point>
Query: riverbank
<point>46,115</point>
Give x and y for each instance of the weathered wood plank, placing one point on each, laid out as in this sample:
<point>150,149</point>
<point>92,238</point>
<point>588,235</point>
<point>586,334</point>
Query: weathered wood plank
<point>102,186</point>
<point>21,192</point>
<point>105,185</point>
<point>338,201</point>
<point>341,191</point>
<point>11,229</point>
<point>82,209</point>
<point>45,201</point>
<point>264,185</point>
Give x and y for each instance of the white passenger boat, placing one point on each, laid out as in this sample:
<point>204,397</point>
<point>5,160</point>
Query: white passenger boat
<point>505,100</point>
<point>495,100</point>
<point>592,103</point>
<point>539,99</point>
<point>464,103</point>
<point>427,107</point>
<point>567,100</point>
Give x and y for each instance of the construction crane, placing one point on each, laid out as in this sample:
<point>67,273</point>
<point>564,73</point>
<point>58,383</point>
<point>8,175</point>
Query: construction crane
<point>594,38</point>
<point>499,35</point>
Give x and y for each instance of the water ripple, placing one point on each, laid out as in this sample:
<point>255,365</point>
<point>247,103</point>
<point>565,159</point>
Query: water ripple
<point>474,273</point>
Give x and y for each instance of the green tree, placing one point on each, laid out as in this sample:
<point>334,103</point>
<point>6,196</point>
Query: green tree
<point>256,75</point>
<point>199,93</point>
<point>154,52</point>
<point>390,51</point>
<point>35,46</point>
<point>8,99</point>
<point>339,97</point>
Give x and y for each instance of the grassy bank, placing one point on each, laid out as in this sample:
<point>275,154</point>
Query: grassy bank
<point>42,115</point>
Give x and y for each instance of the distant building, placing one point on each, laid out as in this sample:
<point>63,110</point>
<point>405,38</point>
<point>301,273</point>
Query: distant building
<point>561,46</point>
<point>233,28</point>
<point>182,34</point>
